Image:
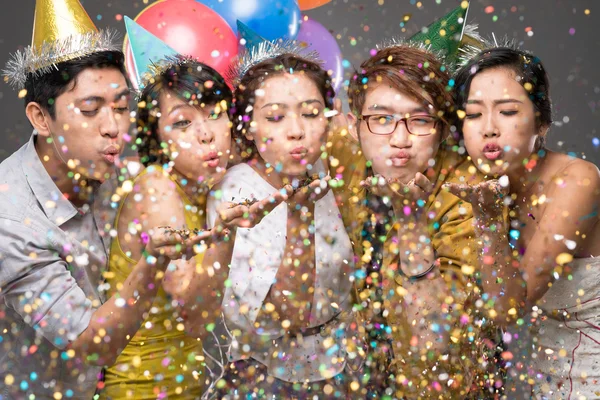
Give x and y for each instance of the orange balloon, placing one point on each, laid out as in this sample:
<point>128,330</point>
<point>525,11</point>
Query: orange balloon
<point>310,4</point>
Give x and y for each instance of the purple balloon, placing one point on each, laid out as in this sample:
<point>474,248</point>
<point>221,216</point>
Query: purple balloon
<point>318,38</point>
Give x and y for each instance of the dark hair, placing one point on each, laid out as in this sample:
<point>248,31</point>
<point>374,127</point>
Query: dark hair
<point>528,67</point>
<point>46,88</point>
<point>189,80</point>
<point>245,92</point>
<point>407,69</point>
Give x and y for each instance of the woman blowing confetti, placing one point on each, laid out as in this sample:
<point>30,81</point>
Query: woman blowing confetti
<point>169,195</point>
<point>537,222</point>
<point>288,303</point>
<point>184,140</point>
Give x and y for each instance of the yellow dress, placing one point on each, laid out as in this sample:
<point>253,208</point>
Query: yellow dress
<point>160,361</point>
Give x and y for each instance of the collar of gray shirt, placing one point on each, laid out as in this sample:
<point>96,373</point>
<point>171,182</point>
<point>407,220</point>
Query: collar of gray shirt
<point>51,261</point>
<point>57,208</point>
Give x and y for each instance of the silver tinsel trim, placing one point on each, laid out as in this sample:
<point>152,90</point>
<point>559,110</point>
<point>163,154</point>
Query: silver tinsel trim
<point>401,42</point>
<point>467,53</point>
<point>158,68</point>
<point>40,61</point>
<point>267,50</point>
<point>470,31</point>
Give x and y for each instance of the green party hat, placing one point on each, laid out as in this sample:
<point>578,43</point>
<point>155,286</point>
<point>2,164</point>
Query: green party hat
<point>444,35</point>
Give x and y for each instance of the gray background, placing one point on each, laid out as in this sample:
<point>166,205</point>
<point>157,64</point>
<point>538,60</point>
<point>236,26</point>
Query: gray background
<point>571,59</point>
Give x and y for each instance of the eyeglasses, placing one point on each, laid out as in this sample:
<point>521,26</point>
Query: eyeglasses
<point>386,124</point>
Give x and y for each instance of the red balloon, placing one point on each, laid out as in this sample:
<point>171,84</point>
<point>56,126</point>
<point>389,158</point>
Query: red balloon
<point>190,28</point>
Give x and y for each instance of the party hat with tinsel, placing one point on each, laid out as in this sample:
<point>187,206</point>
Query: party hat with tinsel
<point>469,51</point>
<point>62,31</point>
<point>445,34</point>
<point>151,56</point>
<point>267,50</point>
<point>443,37</point>
<point>258,49</point>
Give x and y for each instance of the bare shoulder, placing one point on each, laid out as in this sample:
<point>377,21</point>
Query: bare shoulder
<point>574,199</point>
<point>155,181</point>
<point>153,202</point>
<point>577,173</point>
<point>156,200</point>
<point>584,169</point>
<point>572,184</point>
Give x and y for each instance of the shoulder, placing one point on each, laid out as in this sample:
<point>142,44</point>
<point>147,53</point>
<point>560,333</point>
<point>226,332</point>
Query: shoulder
<point>155,197</point>
<point>12,163</point>
<point>584,172</point>
<point>15,194</point>
<point>23,242</point>
<point>570,191</point>
<point>155,180</point>
<point>575,176</point>
<point>344,149</point>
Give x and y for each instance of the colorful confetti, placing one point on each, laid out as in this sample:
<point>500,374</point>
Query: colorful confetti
<point>385,248</point>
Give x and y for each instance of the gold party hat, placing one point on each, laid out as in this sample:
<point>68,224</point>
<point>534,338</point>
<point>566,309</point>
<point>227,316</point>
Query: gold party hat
<point>62,31</point>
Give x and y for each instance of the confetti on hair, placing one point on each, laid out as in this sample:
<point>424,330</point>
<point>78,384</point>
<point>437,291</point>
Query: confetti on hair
<point>158,68</point>
<point>265,51</point>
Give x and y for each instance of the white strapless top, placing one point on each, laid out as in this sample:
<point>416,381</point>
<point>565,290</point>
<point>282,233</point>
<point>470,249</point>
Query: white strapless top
<point>566,336</point>
<point>257,256</point>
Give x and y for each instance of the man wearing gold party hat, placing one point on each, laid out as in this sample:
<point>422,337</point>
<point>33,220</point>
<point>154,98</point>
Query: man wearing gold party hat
<point>57,328</point>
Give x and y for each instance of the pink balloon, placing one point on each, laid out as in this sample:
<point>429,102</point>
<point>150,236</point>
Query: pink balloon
<point>318,38</point>
<point>192,29</point>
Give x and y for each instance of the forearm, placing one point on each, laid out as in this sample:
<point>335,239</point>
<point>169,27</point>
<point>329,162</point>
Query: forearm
<point>415,245</point>
<point>425,307</point>
<point>500,274</point>
<point>118,319</point>
<point>290,297</point>
<point>295,279</point>
<point>201,301</point>
<point>291,294</point>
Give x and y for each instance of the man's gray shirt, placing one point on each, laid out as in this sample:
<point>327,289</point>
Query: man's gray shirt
<point>52,256</point>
